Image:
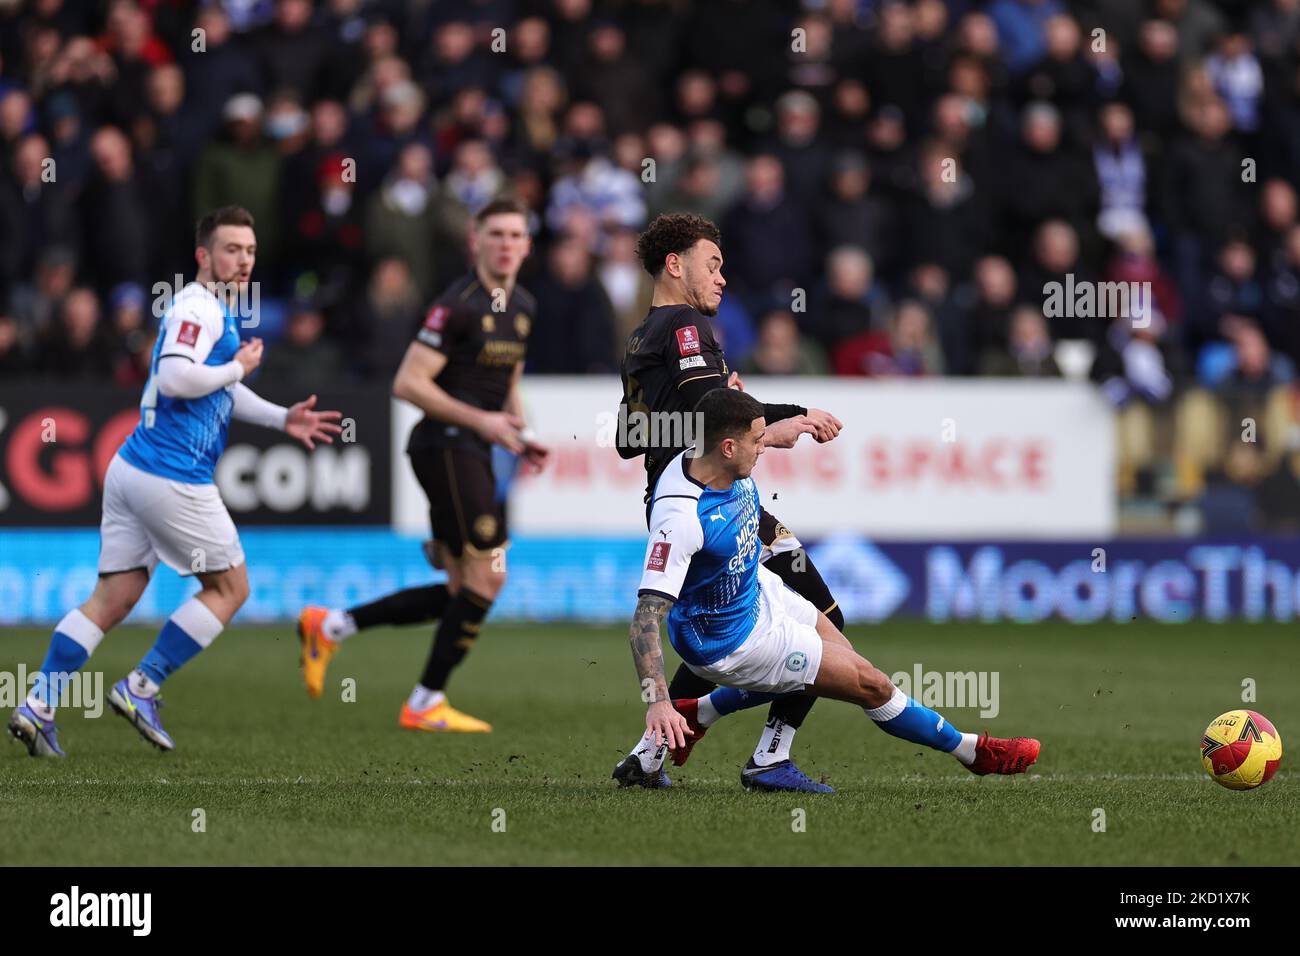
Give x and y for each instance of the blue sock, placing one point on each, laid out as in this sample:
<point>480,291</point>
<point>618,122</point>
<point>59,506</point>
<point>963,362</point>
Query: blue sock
<point>65,656</point>
<point>903,717</point>
<point>74,639</point>
<point>190,629</point>
<point>728,700</point>
<point>172,649</point>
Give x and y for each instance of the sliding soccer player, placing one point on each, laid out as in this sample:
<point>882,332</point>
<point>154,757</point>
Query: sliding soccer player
<point>160,502</point>
<point>735,623</point>
<point>463,372</point>
<point>672,360</point>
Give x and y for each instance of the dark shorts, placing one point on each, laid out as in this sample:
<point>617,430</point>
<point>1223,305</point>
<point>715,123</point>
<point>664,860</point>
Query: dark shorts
<point>464,511</point>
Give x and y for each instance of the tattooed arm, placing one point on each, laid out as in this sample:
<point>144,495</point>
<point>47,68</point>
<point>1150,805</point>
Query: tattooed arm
<point>661,718</point>
<point>647,652</point>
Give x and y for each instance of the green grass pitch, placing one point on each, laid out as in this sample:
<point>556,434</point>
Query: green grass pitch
<point>286,780</point>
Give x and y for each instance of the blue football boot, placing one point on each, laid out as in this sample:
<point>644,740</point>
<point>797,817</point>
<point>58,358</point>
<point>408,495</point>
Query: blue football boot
<point>39,736</point>
<point>142,712</point>
<point>780,777</point>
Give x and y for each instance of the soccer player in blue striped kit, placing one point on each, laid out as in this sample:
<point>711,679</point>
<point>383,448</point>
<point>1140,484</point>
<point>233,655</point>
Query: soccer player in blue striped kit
<point>160,502</point>
<point>735,623</point>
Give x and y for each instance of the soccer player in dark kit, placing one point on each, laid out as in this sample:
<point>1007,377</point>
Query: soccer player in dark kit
<point>463,372</point>
<point>672,360</point>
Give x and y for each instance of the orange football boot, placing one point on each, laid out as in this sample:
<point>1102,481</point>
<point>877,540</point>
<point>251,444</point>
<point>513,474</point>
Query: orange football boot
<point>441,718</point>
<point>317,649</point>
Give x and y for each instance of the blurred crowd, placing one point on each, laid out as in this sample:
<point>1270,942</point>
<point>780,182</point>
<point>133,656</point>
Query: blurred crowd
<point>897,181</point>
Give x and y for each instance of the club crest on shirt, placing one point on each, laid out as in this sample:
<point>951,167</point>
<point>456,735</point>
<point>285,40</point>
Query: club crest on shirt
<point>489,323</point>
<point>485,526</point>
<point>688,340</point>
<point>522,325</point>
<point>436,318</point>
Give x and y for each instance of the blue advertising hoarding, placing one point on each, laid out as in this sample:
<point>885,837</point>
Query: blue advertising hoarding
<point>43,572</point>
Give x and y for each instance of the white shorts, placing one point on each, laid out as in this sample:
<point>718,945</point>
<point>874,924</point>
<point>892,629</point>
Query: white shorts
<point>148,518</point>
<point>782,653</point>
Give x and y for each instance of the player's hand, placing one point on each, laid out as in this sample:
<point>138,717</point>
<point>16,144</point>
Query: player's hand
<point>665,725</point>
<point>310,426</point>
<point>501,428</point>
<point>827,425</point>
<point>250,355</point>
<point>735,382</point>
<point>535,454</point>
<point>786,432</point>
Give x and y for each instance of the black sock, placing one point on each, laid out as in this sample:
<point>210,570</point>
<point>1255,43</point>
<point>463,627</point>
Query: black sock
<point>792,708</point>
<point>806,581</point>
<point>454,637</point>
<point>412,606</point>
<point>686,683</point>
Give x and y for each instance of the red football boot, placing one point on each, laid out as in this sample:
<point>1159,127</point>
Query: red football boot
<point>688,708</point>
<point>996,755</point>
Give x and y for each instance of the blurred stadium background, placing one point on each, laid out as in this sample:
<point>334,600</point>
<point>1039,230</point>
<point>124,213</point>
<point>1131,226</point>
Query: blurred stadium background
<point>898,184</point>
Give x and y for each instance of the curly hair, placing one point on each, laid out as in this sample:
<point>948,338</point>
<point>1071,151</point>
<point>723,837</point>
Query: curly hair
<point>672,233</point>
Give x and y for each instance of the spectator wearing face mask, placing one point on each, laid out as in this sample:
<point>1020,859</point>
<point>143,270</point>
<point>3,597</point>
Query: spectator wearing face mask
<point>411,218</point>
<point>326,240</point>
<point>242,169</point>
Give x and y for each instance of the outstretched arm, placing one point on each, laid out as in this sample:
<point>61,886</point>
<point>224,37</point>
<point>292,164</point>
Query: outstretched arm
<point>301,421</point>
<point>790,421</point>
<point>647,653</point>
<point>251,407</point>
<point>309,426</point>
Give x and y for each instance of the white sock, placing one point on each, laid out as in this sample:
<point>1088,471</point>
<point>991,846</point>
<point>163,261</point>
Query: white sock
<point>81,629</point>
<point>965,751</point>
<point>422,698</point>
<point>140,685</point>
<point>650,754</point>
<point>774,745</point>
<point>705,712</point>
<point>197,620</point>
<point>338,625</point>
<point>38,707</point>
